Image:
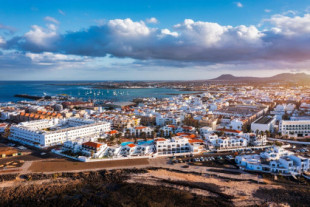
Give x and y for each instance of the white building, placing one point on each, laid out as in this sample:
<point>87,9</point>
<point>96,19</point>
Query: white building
<point>205,130</point>
<point>231,142</point>
<point>172,146</point>
<point>169,129</point>
<point>163,120</point>
<point>255,140</point>
<point>295,128</point>
<point>263,124</point>
<point>137,131</point>
<point>143,148</point>
<point>234,142</point>
<point>46,133</point>
<point>88,149</point>
<point>236,124</point>
<point>5,115</point>
<point>275,160</point>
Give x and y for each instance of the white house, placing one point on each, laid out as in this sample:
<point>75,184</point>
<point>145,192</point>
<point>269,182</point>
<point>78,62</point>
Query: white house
<point>137,131</point>
<point>89,149</point>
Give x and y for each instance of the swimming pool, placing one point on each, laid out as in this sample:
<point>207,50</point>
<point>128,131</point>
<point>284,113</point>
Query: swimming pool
<point>126,143</point>
<point>145,142</point>
<point>139,142</point>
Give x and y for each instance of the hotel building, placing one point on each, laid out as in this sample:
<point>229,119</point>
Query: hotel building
<point>46,133</point>
<point>295,128</point>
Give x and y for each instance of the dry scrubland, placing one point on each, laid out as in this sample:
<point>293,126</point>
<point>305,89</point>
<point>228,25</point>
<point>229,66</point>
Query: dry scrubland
<point>148,187</point>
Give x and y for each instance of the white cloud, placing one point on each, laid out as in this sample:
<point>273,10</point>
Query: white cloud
<point>51,19</point>
<point>50,57</point>
<point>61,12</point>
<point>190,42</point>
<point>152,20</point>
<point>165,32</point>
<point>297,25</point>
<point>239,4</point>
<point>267,10</point>
<point>127,27</point>
<point>56,60</point>
<point>290,12</point>
<point>41,36</point>
<point>2,41</point>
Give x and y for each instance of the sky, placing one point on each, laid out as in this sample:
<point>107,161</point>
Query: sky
<point>152,39</point>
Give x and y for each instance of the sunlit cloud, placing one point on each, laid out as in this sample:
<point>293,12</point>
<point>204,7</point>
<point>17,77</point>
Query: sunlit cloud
<point>51,19</point>
<point>239,4</point>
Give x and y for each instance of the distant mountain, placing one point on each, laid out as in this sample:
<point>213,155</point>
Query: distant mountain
<point>292,77</point>
<point>229,77</point>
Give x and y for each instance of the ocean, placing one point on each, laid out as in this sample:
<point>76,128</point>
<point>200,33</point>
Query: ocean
<point>9,88</point>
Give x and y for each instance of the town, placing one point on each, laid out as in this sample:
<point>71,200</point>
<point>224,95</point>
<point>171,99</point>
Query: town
<point>155,103</point>
<point>259,127</point>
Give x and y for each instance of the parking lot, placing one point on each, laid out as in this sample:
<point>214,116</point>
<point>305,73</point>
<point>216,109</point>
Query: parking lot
<point>205,157</point>
<point>25,153</point>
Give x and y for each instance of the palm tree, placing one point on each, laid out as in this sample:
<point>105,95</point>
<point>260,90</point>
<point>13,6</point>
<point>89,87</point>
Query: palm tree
<point>256,131</point>
<point>161,133</point>
<point>127,133</point>
<point>143,135</point>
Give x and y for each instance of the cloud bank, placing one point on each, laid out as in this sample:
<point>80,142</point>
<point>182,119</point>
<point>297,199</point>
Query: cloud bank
<point>281,38</point>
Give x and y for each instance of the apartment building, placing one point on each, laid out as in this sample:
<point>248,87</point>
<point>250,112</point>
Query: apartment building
<point>296,128</point>
<point>172,146</point>
<point>46,133</point>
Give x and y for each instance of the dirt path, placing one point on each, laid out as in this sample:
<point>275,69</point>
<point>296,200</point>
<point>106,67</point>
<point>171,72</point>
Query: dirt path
<point>62,165</point>
<point>25,167</point>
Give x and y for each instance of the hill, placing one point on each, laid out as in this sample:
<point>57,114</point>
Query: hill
<point>290,77</point>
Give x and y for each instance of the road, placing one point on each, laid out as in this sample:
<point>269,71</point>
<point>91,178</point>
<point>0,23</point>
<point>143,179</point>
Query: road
<point>289,141</point>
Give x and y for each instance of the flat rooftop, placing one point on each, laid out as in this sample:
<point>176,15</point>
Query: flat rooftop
<point>264,120</point>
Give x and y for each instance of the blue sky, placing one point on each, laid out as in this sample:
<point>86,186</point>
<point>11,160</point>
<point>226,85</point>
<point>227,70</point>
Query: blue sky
<point>145,40</point>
